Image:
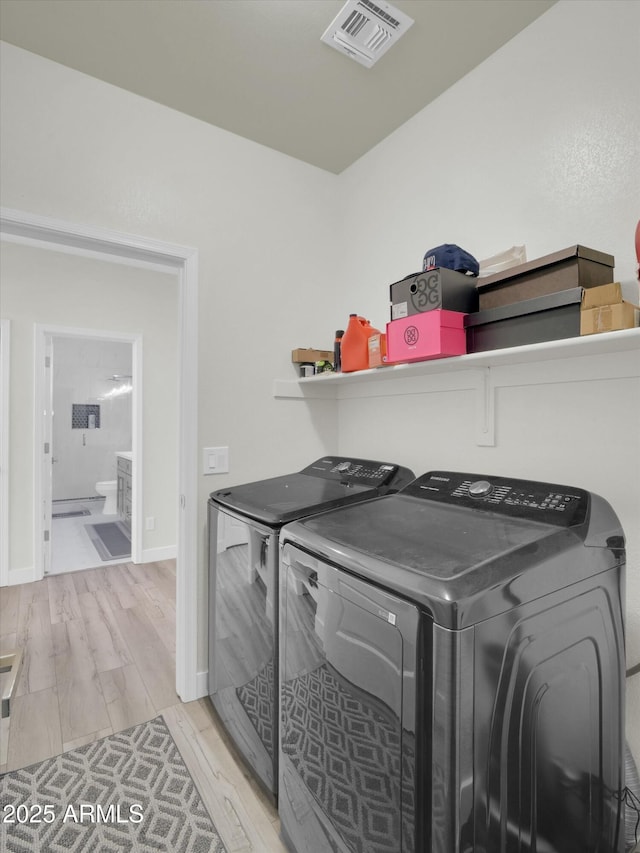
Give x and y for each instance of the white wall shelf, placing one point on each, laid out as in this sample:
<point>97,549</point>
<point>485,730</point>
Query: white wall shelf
<point>339,385</point>
<point>609,355</point>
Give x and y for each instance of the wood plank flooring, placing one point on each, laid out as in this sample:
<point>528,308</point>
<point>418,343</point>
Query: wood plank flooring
<point>98,657</point>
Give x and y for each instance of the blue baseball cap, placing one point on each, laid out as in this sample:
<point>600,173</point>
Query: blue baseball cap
<point>452,257</point>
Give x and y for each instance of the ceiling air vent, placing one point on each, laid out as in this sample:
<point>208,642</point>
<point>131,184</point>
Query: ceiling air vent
<point>365,30</point>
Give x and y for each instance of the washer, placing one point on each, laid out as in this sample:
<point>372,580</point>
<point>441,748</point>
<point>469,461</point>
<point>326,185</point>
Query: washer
<point>452,672</point>
<point>244,523</point>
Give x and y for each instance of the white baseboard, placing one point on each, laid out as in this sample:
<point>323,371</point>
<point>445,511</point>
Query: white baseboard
<point>202,683</point>
<point>17,576</point>
<point>151,555</point>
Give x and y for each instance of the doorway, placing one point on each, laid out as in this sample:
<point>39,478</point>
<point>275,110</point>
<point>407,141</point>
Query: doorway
<point>4,449</point>
<point>92,403</point>
<point>128,249</point>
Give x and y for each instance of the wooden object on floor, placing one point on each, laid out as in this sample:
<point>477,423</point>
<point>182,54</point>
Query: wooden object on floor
<point>9,663</point>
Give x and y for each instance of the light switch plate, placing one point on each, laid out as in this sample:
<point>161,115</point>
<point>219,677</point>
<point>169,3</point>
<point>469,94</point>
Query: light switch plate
<point>215,460</point>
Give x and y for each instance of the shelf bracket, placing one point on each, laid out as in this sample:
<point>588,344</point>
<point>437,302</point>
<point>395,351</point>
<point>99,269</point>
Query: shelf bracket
<point>485,408</point>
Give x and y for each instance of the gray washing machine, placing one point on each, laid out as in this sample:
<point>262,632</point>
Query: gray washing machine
<point>244,524</point>
<point>452,672</point>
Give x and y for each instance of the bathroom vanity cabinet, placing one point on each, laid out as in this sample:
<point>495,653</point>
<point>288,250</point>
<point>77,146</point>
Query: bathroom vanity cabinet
<point>124,490</point>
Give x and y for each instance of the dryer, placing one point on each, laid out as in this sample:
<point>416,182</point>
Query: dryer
<point>452,672</point>
<point>244,522</point>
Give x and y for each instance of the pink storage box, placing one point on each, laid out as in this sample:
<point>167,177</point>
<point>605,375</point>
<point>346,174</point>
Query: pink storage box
<point>431,334</point>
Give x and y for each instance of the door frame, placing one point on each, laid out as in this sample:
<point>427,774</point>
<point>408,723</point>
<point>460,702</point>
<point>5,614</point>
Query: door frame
<point>42,453</point>
<point>43,403</point>
<point>5,379</point>
<point>93,241</point>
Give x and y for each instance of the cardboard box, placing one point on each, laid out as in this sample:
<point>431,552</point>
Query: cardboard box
<point>377,349</point>
<point>310,356</point>
<point>431,334</point>
<point>433,289</point>
<point>532,321</point>
<point>576,266</point>
<point>606,294</point>
<point>607,318</point>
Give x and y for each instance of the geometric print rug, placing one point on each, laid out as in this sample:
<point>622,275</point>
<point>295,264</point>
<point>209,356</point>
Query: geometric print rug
<point>130,791</point>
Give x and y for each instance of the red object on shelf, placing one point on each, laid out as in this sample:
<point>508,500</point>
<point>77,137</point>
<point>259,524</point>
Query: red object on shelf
<point>354,349</point>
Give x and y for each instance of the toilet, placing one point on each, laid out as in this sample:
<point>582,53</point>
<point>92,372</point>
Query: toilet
<point>108,489</point>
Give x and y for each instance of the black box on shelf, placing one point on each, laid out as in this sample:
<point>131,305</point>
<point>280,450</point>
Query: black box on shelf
<point>532,321</point>
<point>432,289</point>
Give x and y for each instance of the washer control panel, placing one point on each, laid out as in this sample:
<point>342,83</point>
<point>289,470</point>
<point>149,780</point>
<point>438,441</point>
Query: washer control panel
<point>547,502</point>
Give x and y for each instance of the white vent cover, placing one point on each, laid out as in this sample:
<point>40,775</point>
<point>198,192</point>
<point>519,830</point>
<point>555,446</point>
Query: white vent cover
<point>365,30</point>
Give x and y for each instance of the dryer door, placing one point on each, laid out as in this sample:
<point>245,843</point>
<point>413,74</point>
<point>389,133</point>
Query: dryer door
<point>348,693</point>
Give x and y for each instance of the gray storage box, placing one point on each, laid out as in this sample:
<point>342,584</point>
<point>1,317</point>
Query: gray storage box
<point>576,266</point>
<point>437,288</point>
<point>546,318</point>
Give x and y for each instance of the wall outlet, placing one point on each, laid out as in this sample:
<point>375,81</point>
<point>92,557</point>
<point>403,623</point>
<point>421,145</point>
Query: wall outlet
<point>215,460</point>
<point>150,523</point>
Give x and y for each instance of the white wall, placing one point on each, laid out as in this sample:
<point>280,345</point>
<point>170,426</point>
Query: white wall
<point>539,146</point>
<point>81,375</point>
<point>57,289</point>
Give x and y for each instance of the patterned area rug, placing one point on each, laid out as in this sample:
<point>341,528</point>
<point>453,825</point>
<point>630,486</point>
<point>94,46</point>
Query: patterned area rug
<point>127,792</point>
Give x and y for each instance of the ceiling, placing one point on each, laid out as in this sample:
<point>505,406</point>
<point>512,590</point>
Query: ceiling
<point>258,68</point>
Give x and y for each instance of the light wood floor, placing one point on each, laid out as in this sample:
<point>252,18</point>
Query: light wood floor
<point>98,657</point>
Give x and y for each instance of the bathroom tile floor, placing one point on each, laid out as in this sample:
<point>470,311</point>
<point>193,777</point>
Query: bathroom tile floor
<point>71,547</point>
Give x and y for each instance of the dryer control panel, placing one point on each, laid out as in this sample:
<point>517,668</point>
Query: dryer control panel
<point>564,506</point>
<point>361,472</point>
